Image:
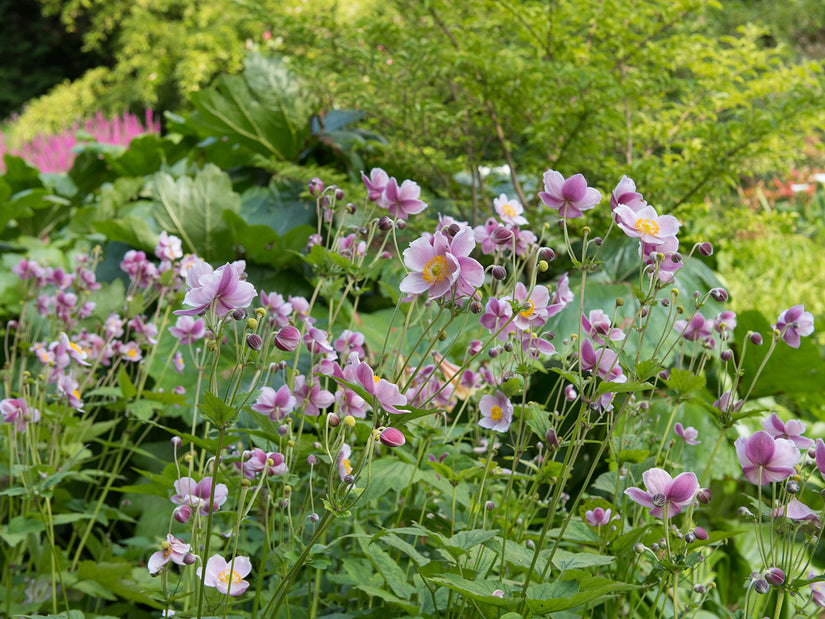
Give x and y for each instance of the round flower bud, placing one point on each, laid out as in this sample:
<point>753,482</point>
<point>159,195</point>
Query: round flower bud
<point>287,338</point>
<point>792,486</point>
<point>619,302</point>
<point>401,224</point>
<point>254,341</point>
<point>551,439</point>
<point>547,254</point>
<point>706,249</point>
<point>315,186</point>
<point>597,241</point>
<point>489,506</point>
<point>498,272</point>
<point>453,229</point>
<point>774,576</point>
<point>176,441</point>
<point>333,419</point>
<point>476,307</point>
<point>761,586</point>
<point>699,589</point>
<point>508,347</point>
<point>690,537</point>
<point>349,421</point>
<point>385,224</point>
<point>312,460</point>
<point>530,544</point>
<point>349,479</point>
<point>664,375</point>
<point>719,294</point>
<point>314,517</point>
<point>639,548</point>
<point>726,355</point>
<point>239,313</point>
<point>704,496</point>
<point>189,558</point>
<point>654,547</point>
<point>283,430</point>
<point>543,266</point>
<point>756,339</point>
<point>392,437</point>
<point>501,236</point>
<point>339,193</point>
<point>744,512</point>
<point>182,513</point>
<point>252,323</point>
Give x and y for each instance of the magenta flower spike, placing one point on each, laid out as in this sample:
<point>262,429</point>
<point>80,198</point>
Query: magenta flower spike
<point>791,430</point>
<point>765,459</point>
<point>227,576</point>
<point>793,324</point>
<point>570,197</point>
<point>665,493</point>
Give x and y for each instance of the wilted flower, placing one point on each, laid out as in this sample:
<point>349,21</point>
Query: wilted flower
<point>570,197</point>
<point>665,492</point>
<point>227,577</point>
<point>794,323</point>
<point>173,549</point>
<point>496,411</point>
<point>765,459</point>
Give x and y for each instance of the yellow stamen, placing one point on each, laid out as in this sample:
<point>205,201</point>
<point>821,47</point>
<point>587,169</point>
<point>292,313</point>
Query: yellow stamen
<point>347,465</point>
<point>529,312</point>
<point>509,210</point>
<point>435,271</point>
<point>495,413</point>
<point>647,226</point>
<point>224,577</point>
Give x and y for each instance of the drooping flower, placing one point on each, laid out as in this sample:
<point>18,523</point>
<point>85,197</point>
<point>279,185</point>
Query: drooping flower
<point>570,197</point>
<point>402,201</point>
<point>221,289</point>
<point>496,411</point>
<point>688,434</point>
<point>664,492</point>
<point>598,517</point>
<point>510,211</point>
<point>646,224</point>
<point>727,401</point>
<point>173,549</point>
<point>791,430</point>
<point>793,324</point>
<point>344,465</point>
<point>16,412</point>
<point>196,494</point>
<point>765,459</point>
<point>275,404</point>
<point>227,577</point>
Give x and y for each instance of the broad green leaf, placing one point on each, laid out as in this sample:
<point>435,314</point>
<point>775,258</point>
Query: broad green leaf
<point>387,567</point>
<point>127,388</point>
<point>19,527</point>
<point>133,231</point>
<point>216,410</point>
<point>564,560</point>
<point>685,382</point>
<point>391,539</point>
<point>192,208</point>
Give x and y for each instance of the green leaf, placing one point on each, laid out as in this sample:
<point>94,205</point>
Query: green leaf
<point>19,527</point>
<point>685,382</point>
<point>216,410</point>
<point>632,455</point>
<point>133,231</point>
<point>127,387</point>
<point>192,210</point>
<point>387,567</point>
<point>631,385</point>
<point>564,560</point>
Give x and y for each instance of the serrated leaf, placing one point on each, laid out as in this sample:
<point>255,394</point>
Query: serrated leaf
<point>216,410</point>
<point>564,560</point>
<point>684,381</point>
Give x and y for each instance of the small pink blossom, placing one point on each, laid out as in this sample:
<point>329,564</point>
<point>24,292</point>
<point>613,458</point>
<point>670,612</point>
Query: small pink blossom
<point>173,549</point>
<point>510,211</point>
<point>16,412</point>
<point>598,517</point>
<point>221,290</point>
<point>402,201</point>
<point>275,404</point>
<point>765,459</point>
<point>646,224</point>
<point>196,494</point>
<point>570,197</point>
<point>689,434</point>
<point>664,492</point>
<point>496,411</point>
<point>227,577</point>
<point>793,324</point>
<point>188,330</point>
<point>791,430</point>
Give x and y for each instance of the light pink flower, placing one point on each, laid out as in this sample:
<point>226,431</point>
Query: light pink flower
<point>188,329</point>
<point>791,430</point>
<point>16,412</point>
<point>344,465</point>
<point>496,411</point>
<point>598,517</point>
<point>196,494</point>
<point>570,197</point>
<point>646,224</point>
<point>437,266</point>
<point>765,459</point>
<point>386,393</point>
<point>402,201</point>
<point>275,404</point>
<point>665,492</point>
<point>688,434</point>
<point>794,323</point>
<point>375,183</point>
<point>796,510</point>
<point>227,577</point>
<point>510,211</point>
<point>173,549</point>
<point>221,289</point>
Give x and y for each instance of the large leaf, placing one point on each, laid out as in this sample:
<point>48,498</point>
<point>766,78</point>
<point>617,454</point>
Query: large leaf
<point>263,110</point>
<point>192,210</point>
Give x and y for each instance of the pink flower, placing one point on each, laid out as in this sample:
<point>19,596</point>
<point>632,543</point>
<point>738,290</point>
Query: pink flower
<point>15,412</point>
<point>67,387</point>
<point>311,396</point>
<point>791,430</point>
<point>386,393</point>
<point>601,361</point>
<point>533,309</point>
<point>796,510</point>
<point>196,494</point>
<point>438,266</point>
<point>688,434</point>
<point>257,460</point>
<point>598,517</point>
<point>221,290</point>
<point>188,330</point>
<point>287,338</point>
<point>392,437</point>
<point>794,323</point>
<point>173,549</point>
<point>820,456</point>
<point>510,211</point>
<point>698,328</point>
<point>817,591</point>
<point>497,316</point>
<point>375,183</point>
<point>665,493</point>
<point>168,247</point>
<point>625,193</point>
<point>344,465</point>
<point>496,411</point>
<point>646,224</point>
<point>275,404</point>
<point>227,577</point>
<point>765,459</point>
<point>597,326</point>
<point>570,197</point>
<point>402,201</point>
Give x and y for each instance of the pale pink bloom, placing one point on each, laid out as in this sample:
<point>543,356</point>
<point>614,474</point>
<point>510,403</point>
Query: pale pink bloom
<point>665,492</point>
<point>602,362</point>
<point>173,549</point>
<point>275,404</point>
<point>510,211</point>
<point>598,517</point>
<point>438,266</point>
<point>227,577</point>
<point>196,494</point>
<point>168,247</point>
<point>597,325</point>
<point>222,290</point>
<point>16,412</point>
<point>496,411</point>
<point>689,434</point>
<point>570,197</point>
<point>791,430</point>
<point>68,387</point>
<point>646,224</point>
<point>375,183</point>
<point>796,510</point>
<point>386,393</point>
<point>344,465</point>
<point>402,201</point>
<point>765,459</point>
<point>188,329</point>
<point>532,311</point>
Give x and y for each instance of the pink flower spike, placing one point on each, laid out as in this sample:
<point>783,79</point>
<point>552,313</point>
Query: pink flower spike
<point>227,577</point>
<point>765,459</point>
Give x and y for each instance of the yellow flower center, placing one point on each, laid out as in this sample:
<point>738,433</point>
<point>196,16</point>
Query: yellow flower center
<point>435,271</point>
<point>495,413</point>
<point>509,210</point>
<point>529,312</point>
<point>76,348</point>
<point>132,352</point>
<point>647,226</point>
<point>347,466</point>
<point>76,394</point>
<point>224,577</point>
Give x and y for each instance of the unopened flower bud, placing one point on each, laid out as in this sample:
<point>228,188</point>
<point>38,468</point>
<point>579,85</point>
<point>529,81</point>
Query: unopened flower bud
<point>348,479</point>
<point>774,576</point>
<point>498,272</point>
<point>508,347</point>
<point>664,375</point>
<point>333,420</point>
<point>761,586</point>
<point>339,194</point>
<point>176,441</point>
<point>665,302</point>
<point>639,548</point>
<point>719,294</point>
<point>501,236</point>
<point>312,460</point>
<point>476,307</point>
<point>547,254</point>
<point>315,186</point>
<point>530,544</point>
<point>690,537</point>
<point>239,313</point>
<point>756,339</point>
<point>254,341</point>
<point>351,208</point>
<point>699,589</point>
<point>551,439</point>
<point>498,593</point>
<point>189,558</point>
<point>392,437</point>
<point>726,355</point>
<point>597,241</point>
<point>706,249</point>
<point>349,421</point>
<point>401,224</point>
<point>570,393</point>
<point>314,517</point>
<point>792,486</point>
<point>385,224</point>
<point>744,512</point>
<point>182,513</point>
<point>489,506</point>
<point>287,338</point>
<point>283,430</point>
<point>543,266</point>
<point>704,496</point>
<point>453,229</point>
<point>654,547</point>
